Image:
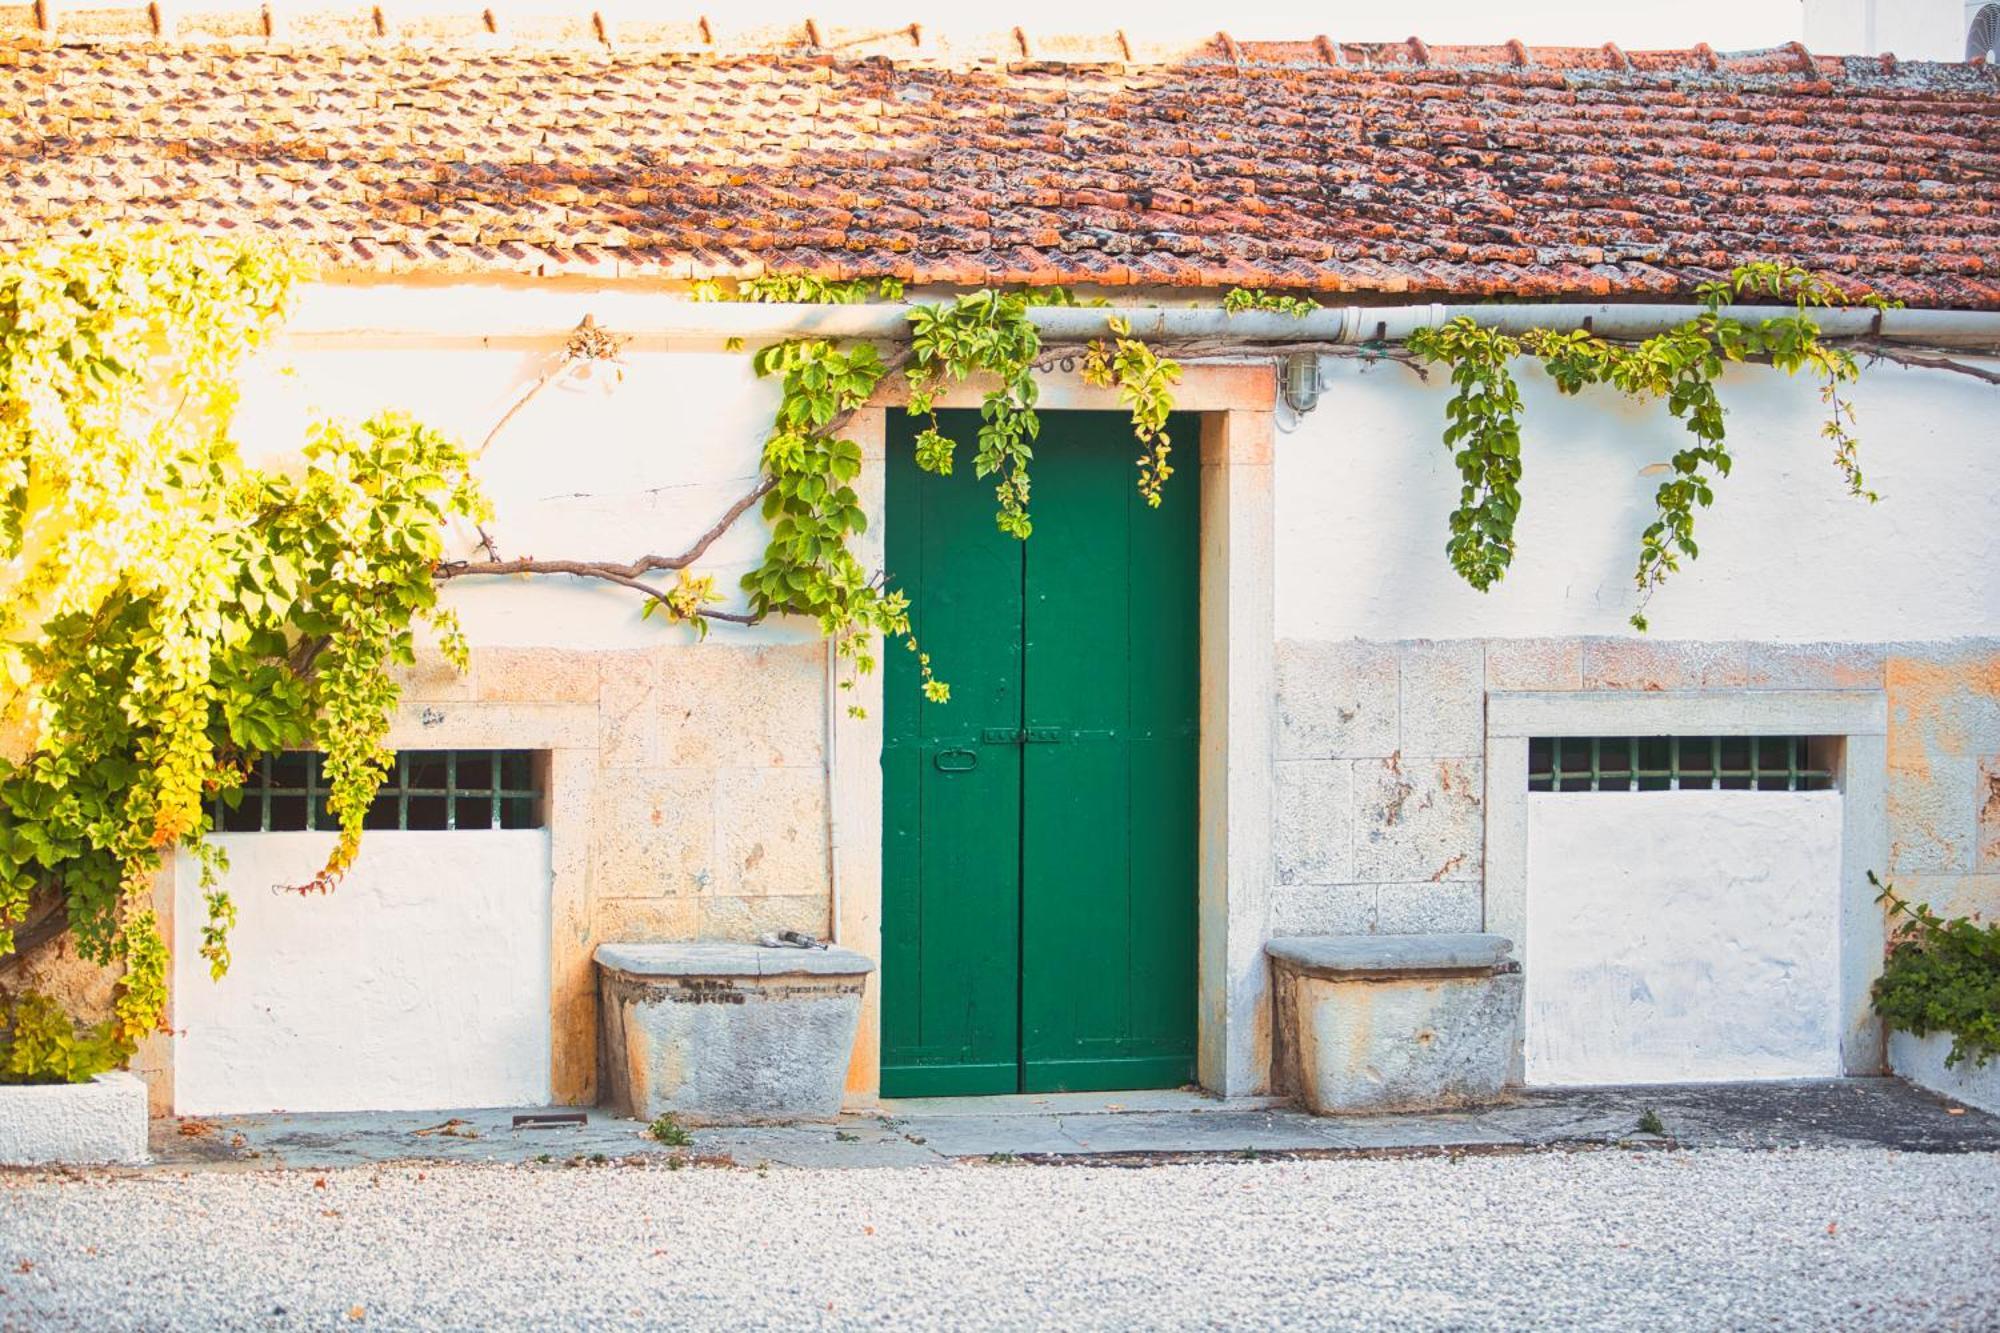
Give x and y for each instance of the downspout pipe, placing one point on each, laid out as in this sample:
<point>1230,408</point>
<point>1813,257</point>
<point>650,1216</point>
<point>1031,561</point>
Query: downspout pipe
<point>652,318</point>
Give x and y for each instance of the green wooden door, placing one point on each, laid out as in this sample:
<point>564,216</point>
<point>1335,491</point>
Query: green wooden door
<point>1039,829</point>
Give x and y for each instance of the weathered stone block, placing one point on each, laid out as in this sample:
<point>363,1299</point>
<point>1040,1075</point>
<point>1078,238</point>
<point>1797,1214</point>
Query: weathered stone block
<point>771,824</point>
<point>1534,664</point>
<point>1446,907</point>
<point>1443,697</point>
<point>102,1122</point>
<point>1394,1022</point>
<point>727,1033</point>
<point>535,675</point>
<point>1649,664</point>
<point>1314,837</point>
<point>1323,909</point>
<point>737,918</point>
<point>742,707</point>
<point>1921,1060</point>
<point>1417,818</point>
<point>653,833</point>
<point>1336,700</point>
<point>1816,666</point>
<point>1933,817</point>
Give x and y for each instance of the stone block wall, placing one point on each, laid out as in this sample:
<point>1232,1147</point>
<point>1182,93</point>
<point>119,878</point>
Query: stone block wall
<point>706,816</point>
<point>1380,818</point>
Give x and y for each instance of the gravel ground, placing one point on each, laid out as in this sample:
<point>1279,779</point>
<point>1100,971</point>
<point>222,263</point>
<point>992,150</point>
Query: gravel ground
<point>1809,1239</point>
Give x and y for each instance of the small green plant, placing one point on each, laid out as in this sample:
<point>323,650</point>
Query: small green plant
<point>42,1045</point>
<point>1240,299</point>
<point>842,1136</point>
<point>1942,975</point>
<point>999,1158</point>
<point>1649,1122</point>
<point>668,1129</point>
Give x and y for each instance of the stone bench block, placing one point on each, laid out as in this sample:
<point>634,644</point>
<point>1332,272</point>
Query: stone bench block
<point>727,1034</point>
<point>102,1122</point>
<point>1394,1022</point>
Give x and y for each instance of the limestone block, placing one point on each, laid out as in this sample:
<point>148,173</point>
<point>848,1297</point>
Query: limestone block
<point>749,707</point>
<point>1933,814</point>
<point>1336,700</point>
<point>1427,908</point>
<point>535,675</point>
<point>1418,818</point>
<point>1976,896</point>
<point>1648,664</point>
<point>1394,1023</point>
<point>102,1122</point>
<point>653,833</point>
<point>771,824</point>
<point>737,918</point>
<point>651,919</point>
<point>1921,1060</point>
<point>1816,666</point>
<point>432,678</point>
<point>477,725</point>
<point>1323,909</point>
<point>727,1033</point>
<point>628,721</point>
<point>1443,697</point>
<point>1534,664</point>
<point>1314,835</point>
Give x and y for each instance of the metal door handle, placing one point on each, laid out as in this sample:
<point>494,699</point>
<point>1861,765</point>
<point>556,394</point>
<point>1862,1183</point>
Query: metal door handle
<point>958,759</point>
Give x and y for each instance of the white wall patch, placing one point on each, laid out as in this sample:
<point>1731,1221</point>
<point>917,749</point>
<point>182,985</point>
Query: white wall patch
<point>1683,936</point>
<point>421,982</point>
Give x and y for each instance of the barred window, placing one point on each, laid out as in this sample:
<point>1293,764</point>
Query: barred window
<point>425,790</point>
<point>1680,763</point>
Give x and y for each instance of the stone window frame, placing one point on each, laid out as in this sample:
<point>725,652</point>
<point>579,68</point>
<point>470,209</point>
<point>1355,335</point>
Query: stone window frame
<point>1859,719</point>
<point>1237,775</point>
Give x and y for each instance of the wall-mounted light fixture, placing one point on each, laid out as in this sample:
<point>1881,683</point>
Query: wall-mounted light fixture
<point>1299,381</point>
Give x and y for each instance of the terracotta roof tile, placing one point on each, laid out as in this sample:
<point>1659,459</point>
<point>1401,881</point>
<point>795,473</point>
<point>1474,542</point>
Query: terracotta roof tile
<point>1398,168</point>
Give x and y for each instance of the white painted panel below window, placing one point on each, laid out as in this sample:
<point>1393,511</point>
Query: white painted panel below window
<point>421,982</point>
<point>1683,936</point>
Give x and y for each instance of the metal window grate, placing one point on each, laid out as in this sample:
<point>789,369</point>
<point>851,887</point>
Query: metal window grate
<point>1678,763</point>
<point>425,790</point>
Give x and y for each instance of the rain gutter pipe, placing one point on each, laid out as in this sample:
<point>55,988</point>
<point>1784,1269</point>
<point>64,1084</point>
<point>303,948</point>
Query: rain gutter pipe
<point>648,319</point>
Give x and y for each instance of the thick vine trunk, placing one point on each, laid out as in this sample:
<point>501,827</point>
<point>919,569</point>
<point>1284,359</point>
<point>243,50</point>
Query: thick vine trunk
<point>47,920</point>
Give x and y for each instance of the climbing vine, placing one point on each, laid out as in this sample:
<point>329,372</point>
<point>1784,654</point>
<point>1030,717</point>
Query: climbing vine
<point>170,613</point>
<point>1680,366</point>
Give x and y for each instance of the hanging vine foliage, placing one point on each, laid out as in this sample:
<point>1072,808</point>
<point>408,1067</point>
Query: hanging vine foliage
<point>170,614</point>
<point>1680,366</point>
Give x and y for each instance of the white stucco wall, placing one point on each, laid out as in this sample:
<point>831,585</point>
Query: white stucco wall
<point>421,982</point>
<point>1365,486</point>
<point>606,468</point>
<point>1683,936</point>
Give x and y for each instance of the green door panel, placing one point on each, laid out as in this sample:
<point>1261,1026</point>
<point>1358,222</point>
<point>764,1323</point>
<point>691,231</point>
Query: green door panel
<point>1039,829</point>
<point>951,818</point>
<point>1109,826</point>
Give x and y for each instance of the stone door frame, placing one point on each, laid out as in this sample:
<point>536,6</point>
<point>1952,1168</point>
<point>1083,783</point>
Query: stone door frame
<point>1238,656</point>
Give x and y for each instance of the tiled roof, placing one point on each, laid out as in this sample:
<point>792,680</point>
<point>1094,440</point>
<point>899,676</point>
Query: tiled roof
<point>621,150</point>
